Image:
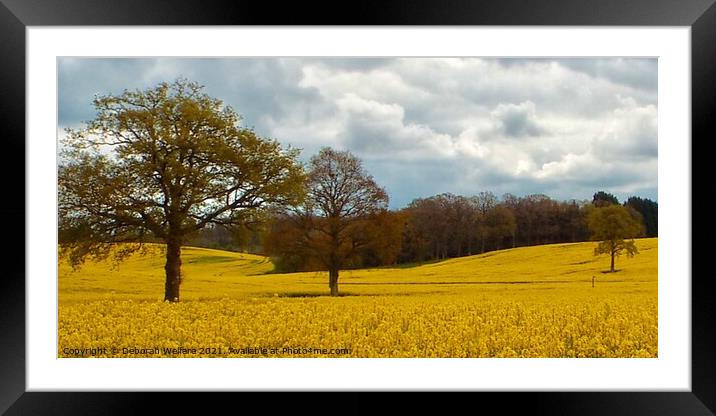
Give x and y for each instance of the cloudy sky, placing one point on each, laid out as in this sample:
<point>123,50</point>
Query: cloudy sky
<point>423,126</point>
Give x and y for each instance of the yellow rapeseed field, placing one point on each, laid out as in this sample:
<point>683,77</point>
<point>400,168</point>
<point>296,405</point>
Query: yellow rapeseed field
<point>523,302</point>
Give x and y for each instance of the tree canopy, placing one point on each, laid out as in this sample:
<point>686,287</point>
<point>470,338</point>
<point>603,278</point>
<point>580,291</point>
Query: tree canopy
<point>615,228</point>
<point>602,198</point>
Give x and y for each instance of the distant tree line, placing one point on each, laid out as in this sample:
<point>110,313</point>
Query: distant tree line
<point>440,227</point>
<point>447,225</point>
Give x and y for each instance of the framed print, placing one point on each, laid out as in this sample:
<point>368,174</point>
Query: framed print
<point>446,198</point>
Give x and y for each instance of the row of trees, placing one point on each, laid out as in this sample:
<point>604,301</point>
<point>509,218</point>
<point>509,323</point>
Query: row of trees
<point>172,164</point>
<point>447,225</point>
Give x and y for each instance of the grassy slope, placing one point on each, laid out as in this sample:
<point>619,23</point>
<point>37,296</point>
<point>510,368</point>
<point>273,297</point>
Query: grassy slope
<point>214,274</point>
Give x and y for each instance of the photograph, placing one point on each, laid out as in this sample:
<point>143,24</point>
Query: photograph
<point>434,197</point>
<point>357,207</point>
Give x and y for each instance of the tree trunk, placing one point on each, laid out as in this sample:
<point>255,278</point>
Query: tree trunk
<point>333,281</point>
<point>612,268</point>
<point>613,252</point>
<point>172,269</point>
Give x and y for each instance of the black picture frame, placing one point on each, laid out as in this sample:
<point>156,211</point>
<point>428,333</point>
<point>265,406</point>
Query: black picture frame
<point>16,15</point>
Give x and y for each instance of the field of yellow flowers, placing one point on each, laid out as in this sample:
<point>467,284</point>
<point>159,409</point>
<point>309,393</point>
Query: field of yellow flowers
<point>524,302</point>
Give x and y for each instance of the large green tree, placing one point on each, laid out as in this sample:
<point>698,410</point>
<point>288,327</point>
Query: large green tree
<point>161,164</point>
<point>615,229</point>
